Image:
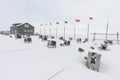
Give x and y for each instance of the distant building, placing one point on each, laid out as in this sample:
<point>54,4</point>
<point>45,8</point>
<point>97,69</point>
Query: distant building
<point>5,32</point>
<point>22,29</point>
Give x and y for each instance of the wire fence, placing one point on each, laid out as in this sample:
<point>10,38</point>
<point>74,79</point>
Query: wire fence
<point>104,36</point>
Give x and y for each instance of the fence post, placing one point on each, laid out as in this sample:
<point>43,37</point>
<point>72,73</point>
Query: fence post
<point>94,36</point>
<point>117,37</point>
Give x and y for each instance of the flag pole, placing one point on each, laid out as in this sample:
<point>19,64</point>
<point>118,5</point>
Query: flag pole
<point>107,28</point>
<point>107,31</point>
<point>40,31</point>
<point>49,31</point>
<point>57,29</point>
<point>64,32</point>
<point>56,32</point>
<point>44,31</point>
<point>77,21</point>
<point>88,32</point>
<point>74,33</point>
<point>65,29</point>
<point>88,29</point>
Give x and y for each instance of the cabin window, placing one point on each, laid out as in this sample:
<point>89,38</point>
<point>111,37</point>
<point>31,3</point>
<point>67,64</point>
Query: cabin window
<point>26,25</point>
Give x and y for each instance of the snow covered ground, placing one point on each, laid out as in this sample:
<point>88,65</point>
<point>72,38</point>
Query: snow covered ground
<point>34,61</point>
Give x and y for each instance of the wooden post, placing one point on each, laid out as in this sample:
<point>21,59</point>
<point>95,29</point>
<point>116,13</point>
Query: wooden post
<point>117,37</point>
<point>88,62</point>
<point>94,36</point>
<point>97,65</point>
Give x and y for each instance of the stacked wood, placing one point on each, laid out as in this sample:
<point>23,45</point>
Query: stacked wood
<point>18,36</point>
<point>61,38</point>
<point>93,61</point>
<point>66,43</point>
<point>79,40</point>
<point>86,40</point>
<point>97,65</point>
<point>27,40</point>
<point>80,49</point>
<point>103,47</point>
<point>92,47</point>
<point>10,36</point>
<point>70,38</point>
<point>108,42</point>
<point>40,36</point>
<point>52,37</point>
<point>61,44</point>
<point>44,38</point>
<point>51,44</point>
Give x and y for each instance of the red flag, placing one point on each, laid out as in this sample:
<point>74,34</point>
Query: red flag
<point>90,18</point>
<point>77,20</point>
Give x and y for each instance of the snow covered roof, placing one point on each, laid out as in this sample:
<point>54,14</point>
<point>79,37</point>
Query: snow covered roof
<point>20,24</point>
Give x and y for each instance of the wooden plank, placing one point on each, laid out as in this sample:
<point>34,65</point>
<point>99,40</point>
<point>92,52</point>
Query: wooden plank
<point>104,34</point>
<point>104,39</point>
<point>94,37</point>
<point>88,62</point>
<point>97,65</point>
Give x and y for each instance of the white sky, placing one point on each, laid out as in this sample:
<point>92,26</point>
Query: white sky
<point>42,11</point>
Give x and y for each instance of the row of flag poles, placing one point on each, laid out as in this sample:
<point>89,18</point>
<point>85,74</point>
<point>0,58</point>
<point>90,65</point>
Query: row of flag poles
<point>76,20</point>
<point>66,22</point>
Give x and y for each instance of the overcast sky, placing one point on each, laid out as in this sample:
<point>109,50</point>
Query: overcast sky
<point>42,11</point>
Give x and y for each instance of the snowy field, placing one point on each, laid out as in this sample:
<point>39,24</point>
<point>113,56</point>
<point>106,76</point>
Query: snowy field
<point>34,61</point>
